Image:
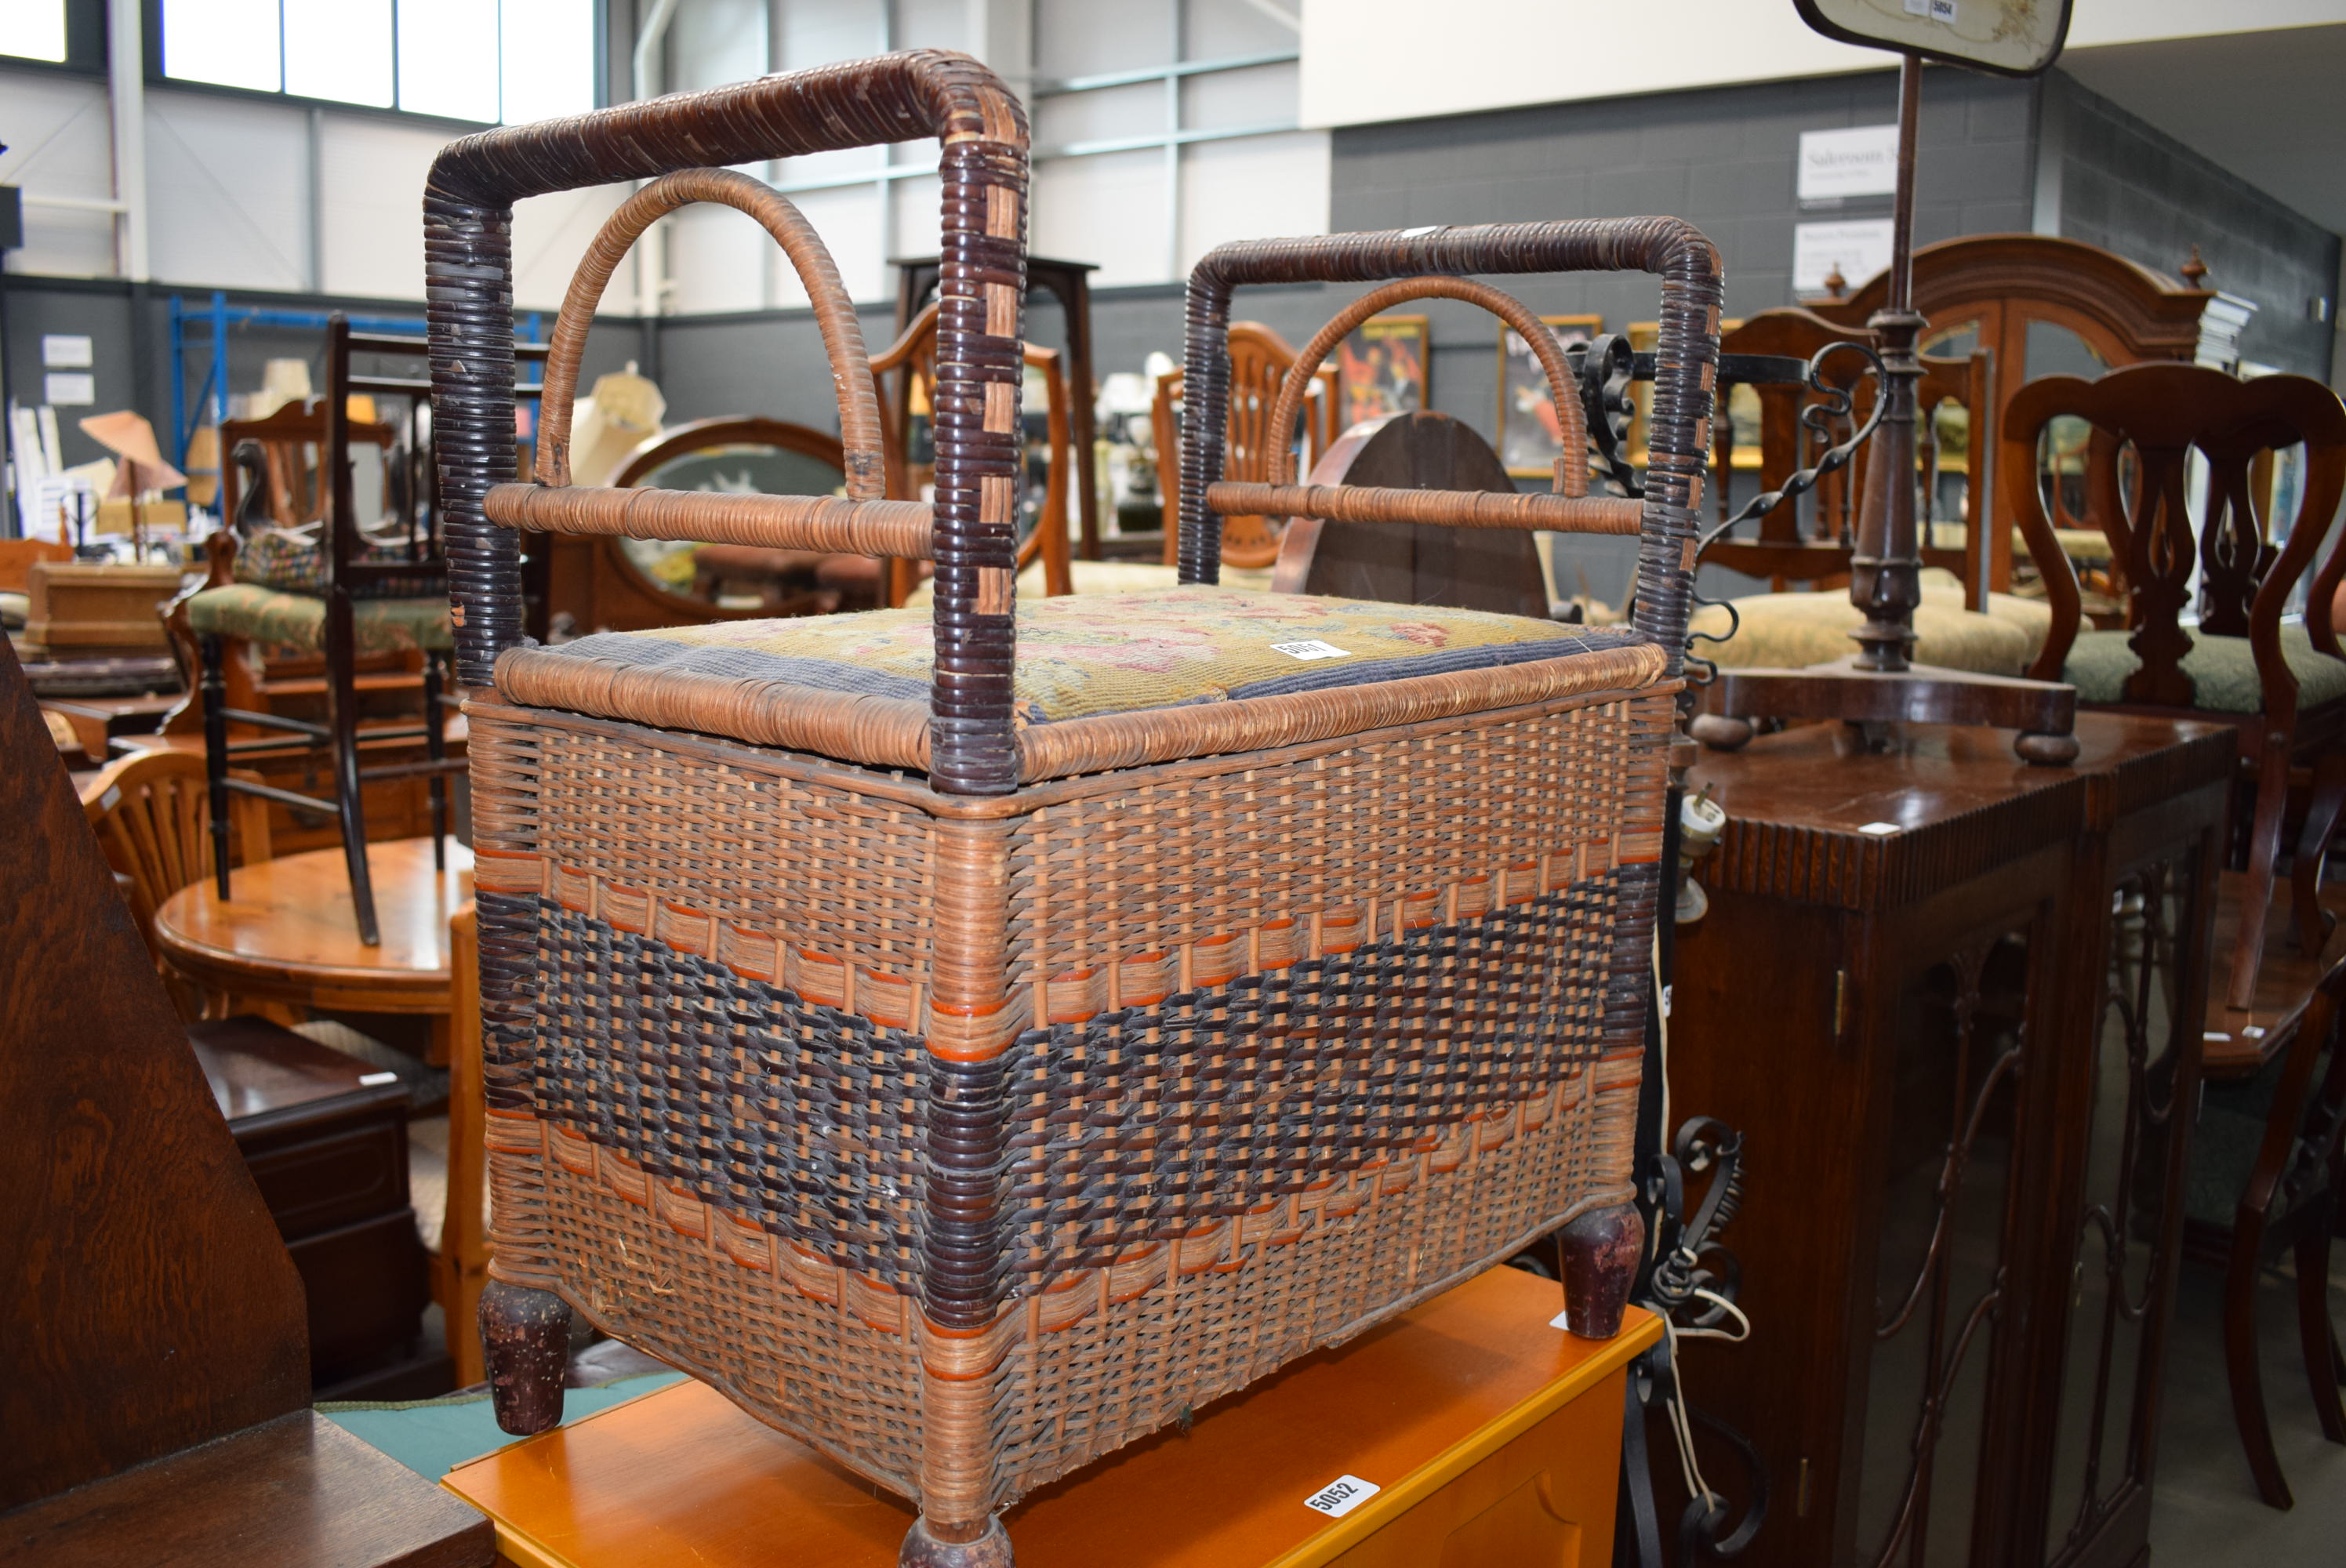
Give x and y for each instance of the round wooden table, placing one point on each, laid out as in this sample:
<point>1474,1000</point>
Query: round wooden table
<point>289,933</point>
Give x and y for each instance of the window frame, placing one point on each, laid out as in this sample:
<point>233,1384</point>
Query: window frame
<point>151,15</point>
<point>85,44</point>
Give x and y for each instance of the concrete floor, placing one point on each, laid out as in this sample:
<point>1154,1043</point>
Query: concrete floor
<point>2205,1512</point>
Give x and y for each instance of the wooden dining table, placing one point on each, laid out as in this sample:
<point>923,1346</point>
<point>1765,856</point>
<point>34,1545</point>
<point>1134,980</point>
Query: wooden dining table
<point>288,935</point>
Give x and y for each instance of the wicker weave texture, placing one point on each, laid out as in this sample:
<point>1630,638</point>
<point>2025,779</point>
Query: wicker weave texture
<point>1252,1051</point>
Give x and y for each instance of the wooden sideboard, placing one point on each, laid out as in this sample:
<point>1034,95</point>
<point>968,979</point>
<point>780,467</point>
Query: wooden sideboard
<point>1953,1003</point>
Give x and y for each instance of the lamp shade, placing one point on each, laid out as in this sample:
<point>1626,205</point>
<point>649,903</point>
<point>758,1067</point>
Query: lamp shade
<point>129,437</point>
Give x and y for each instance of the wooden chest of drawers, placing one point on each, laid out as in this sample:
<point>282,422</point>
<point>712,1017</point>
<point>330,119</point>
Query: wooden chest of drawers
<point>325,1138</point>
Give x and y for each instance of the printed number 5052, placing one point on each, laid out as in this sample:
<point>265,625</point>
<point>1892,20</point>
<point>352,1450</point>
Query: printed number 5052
<point>1342,1495</point>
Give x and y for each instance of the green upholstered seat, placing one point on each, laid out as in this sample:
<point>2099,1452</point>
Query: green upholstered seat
<point>278,619</point>
<point>1089,655</point>
<point>1788,631</point>
<point>2223,670</point>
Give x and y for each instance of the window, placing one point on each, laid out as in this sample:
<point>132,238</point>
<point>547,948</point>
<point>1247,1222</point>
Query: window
<point>34,29</point>
<point>486,60</point>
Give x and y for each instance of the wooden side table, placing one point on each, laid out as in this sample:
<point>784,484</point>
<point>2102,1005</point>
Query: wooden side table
<point>289,935</point>
<point>1954,1004</point>
<point>1482,1432</point>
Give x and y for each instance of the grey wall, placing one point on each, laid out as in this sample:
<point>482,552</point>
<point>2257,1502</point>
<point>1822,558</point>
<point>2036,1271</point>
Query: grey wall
<point>2129,187</point>
<point>1724,159</point>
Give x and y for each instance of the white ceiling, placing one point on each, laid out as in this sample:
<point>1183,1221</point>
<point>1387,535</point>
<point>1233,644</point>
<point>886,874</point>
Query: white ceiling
<point>2270,106</point>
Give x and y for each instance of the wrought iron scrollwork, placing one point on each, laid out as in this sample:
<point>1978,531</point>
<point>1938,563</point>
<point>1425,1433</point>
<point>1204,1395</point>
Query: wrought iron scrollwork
<point>1834,404</point>
<point>1608,367</point>
<point>1691,1281</point>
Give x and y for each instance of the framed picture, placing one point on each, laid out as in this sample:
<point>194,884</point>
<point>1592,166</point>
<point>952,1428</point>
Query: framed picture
<point>1530,435</point>
<point>1384,367</point>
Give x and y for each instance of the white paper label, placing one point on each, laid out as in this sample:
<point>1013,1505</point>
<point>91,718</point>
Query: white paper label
<point>373,1079</point>
<point>1943,11</point>
<point>69,388</point>
<point>1857,250</point>
<point>1562,1320</point>
<point>60,352</point>
<point>1858,161</point>
<point>1309,649</point>
<point>1342,1495</point>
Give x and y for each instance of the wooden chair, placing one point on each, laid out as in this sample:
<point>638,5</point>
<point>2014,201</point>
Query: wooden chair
<point>2266,1174</point>
<point>458,1244</point>
<point>1998,287</point>
<point>1788,547</point>
<point>2283,689</point>
<point>291,447</point>
<point>152,814</point>
<point>1802,547</point>
<point>341,623</point>
<point>16,558</point>
<point>911,361</point>
<point>1259,360</point>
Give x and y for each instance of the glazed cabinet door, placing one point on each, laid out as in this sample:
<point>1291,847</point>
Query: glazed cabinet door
<point>2129,1109</point>
<point>1962,1034</point>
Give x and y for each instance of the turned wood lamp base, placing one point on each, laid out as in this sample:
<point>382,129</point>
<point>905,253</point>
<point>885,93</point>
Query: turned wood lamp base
<point>2044,712</point>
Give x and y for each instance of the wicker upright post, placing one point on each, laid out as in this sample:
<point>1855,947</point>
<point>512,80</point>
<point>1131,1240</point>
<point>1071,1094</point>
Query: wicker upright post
<point>468,267</point>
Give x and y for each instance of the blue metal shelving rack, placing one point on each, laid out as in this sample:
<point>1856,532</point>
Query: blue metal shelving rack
<point>204,330</point>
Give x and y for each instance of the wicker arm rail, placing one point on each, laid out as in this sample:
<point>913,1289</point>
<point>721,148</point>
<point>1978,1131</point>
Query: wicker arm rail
<point>1685,354</point>
<point>775,522</point>
<point>1449,508</point>
<point>468,272</point>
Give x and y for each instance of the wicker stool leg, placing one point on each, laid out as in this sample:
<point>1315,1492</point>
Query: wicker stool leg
<point>922,1550</point>
<point>525,1338</point>
<point>1600,1263</point>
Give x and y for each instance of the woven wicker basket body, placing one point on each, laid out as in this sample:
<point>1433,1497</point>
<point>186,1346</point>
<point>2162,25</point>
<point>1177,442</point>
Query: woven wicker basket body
<point>1261,1048</point>
<point>969,1092</point>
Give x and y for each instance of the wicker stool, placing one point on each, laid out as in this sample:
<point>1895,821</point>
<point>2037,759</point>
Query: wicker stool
<point>971,1064</point>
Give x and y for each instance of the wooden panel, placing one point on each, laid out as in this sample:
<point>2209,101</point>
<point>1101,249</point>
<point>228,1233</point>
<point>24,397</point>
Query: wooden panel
<point>1495,569</point>
<point>148,1303</point>
<point>1447,1409</point>
<point>349,1174</point>
<point>297,1490</point>
<point>367,1290</point>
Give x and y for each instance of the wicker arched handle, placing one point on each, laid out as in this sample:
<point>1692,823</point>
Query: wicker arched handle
<point>1571,462</point>
<point>981,134</point>
<point>1687,355</point>
<point>834,314</point>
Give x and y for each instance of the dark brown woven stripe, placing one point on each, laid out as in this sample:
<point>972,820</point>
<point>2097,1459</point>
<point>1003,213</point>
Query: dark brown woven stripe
<point>1135,1126</point>
<point>1128,1129</point>
<point>806,1120</point>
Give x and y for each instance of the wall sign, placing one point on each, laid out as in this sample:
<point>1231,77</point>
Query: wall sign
<point>1859,161</point>
<point>60,352</point>
<point>1857,250</point>
<point>69,388</point>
